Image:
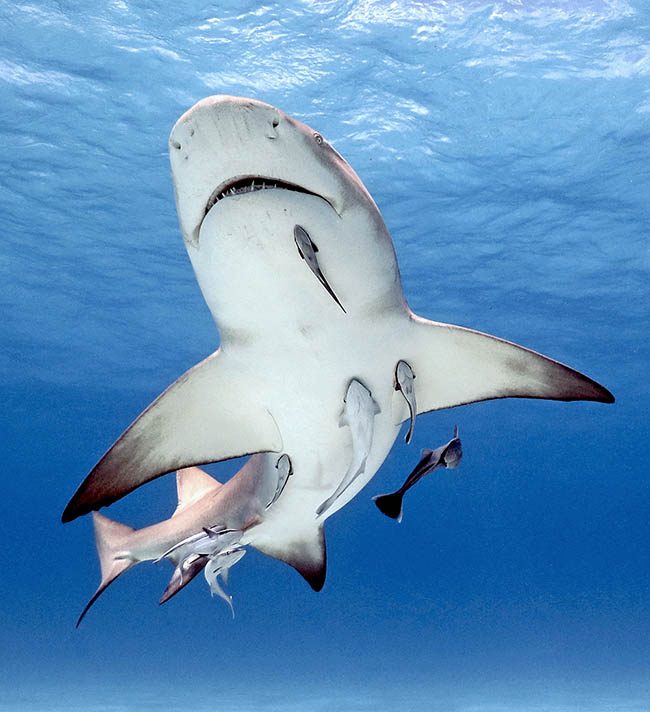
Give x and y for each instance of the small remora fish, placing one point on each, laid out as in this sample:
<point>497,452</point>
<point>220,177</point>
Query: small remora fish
<point>219,565</point>
<point>308,250</point>
<point>359,413</point>
<point>404,378</point>
<point>285,470</point>
<point>448,455</point>
<point>209,542</point>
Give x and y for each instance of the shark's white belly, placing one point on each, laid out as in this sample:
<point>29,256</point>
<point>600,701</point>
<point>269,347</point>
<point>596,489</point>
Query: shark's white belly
<point>303,385</point>
<point>320,455</point>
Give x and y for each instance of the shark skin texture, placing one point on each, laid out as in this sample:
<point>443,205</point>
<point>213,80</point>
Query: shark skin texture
<point>299,272</point>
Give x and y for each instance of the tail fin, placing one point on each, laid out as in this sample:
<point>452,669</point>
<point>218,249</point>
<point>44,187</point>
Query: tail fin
<point>390,504</point>
<point>111,539</point>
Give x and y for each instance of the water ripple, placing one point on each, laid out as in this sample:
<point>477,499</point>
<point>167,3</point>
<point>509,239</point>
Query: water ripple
<point>505,142</point>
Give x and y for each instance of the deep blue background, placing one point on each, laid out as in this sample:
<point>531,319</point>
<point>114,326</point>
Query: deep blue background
<point>507,145</point>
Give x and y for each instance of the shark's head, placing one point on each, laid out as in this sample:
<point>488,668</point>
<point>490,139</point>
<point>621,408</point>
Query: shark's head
<point>225,146</point>
<point>249,181</point>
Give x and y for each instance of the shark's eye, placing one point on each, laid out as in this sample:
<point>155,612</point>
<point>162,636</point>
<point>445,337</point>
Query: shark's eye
<point>318,138</point>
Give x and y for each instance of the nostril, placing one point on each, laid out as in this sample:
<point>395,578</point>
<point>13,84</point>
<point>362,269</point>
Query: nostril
<point>273,131</point>
<point>176,145</point>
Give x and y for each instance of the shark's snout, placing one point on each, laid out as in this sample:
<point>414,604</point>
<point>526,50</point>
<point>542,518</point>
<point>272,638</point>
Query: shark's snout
<point>227,118</point>
<point>226,143</point>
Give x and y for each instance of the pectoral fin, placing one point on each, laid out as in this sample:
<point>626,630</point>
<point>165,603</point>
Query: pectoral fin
<point>210,413</point>
<point>457,366</point>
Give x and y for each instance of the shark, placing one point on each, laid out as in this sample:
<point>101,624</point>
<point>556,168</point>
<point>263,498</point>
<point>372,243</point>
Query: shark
<point>298,269</point>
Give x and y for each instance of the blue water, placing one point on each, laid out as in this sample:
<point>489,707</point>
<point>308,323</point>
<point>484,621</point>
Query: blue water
<point>507,145</point>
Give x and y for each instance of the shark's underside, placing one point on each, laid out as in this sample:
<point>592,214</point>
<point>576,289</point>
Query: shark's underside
<point>299,272</point>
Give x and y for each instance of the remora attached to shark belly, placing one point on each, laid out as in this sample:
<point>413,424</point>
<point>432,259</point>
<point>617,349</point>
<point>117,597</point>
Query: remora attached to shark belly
<point>259,195</point>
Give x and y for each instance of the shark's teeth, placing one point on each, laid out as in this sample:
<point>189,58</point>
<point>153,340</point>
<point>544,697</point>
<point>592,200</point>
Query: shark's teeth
<point>237,191</point>
<point>250,185</point>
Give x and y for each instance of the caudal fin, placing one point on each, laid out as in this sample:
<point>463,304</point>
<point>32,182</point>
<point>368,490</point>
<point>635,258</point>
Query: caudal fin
<point>390,504</point>
<point>111,539</point>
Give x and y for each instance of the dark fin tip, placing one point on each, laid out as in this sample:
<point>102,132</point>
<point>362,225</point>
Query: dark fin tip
<point>81,503</point>
<point>86,499</point>
<point>608,397</point>
<point>314,573</point>
<point>589,390</point>
<point>389,504</point>
<point>87,608</point>
<point>315,578</point>
<point>71,512</point>
<point>102,587</point>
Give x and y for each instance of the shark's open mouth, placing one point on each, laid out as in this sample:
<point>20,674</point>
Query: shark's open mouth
<point>251,184</point>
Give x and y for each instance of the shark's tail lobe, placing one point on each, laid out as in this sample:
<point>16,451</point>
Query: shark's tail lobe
<point>111,539</point>
<point>390,504</point>
<point>183,574</point>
